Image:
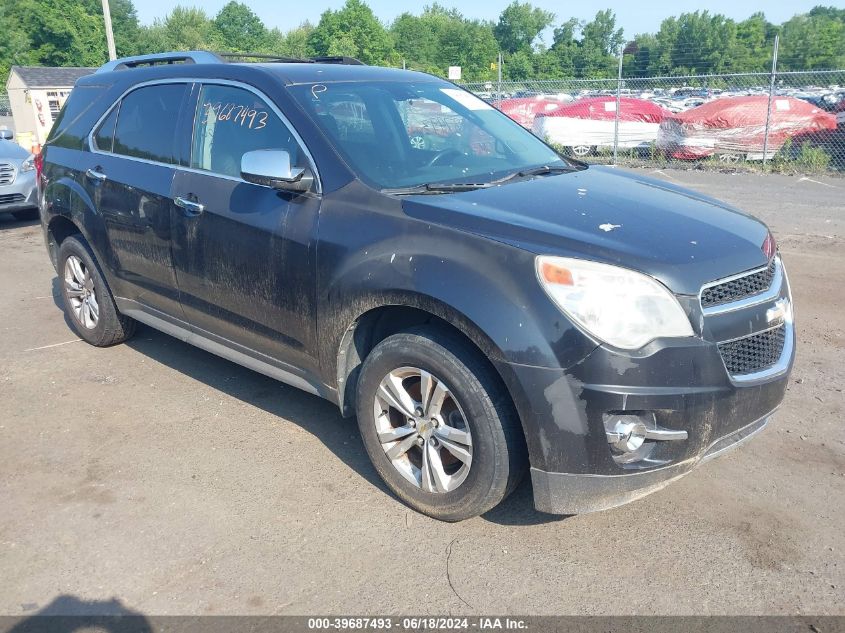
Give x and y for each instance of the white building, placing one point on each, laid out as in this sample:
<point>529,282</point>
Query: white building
<point>36,95</point>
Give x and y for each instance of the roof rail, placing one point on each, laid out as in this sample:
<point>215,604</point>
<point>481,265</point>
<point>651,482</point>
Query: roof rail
<point>236,57</point>
<point>207,57</point>
<point>351,61</point>
<point>335,59</point>
<point>186,57</point>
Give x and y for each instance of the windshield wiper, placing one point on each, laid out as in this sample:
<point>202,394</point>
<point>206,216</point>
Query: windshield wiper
<point>454,187</point>
<point>438,187</point>
<point>542,170</point>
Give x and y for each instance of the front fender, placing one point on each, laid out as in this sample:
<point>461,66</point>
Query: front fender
<point>371,254</point>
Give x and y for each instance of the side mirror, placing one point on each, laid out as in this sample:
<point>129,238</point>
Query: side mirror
<point>272,168</point>
<point>6,134</point>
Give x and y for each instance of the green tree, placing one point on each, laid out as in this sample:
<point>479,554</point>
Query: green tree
<point>752,47</point>
<point>294,43</point>
<point>814,41</point>
<point>640,55</point>
<point>703,44</point>
<point>14,45</point>
<point>519,26</point>
<point>124,21</point>
<point>440,37</point>
<point>600,46</point>
<point>564,48</point>
<point>58,33</point>
<point>353,30</point>
<point>184,29</point>
<point>240,30</point>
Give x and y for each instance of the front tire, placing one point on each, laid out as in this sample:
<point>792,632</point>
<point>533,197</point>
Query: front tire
<point>438,424</point>
<point>87,299</point>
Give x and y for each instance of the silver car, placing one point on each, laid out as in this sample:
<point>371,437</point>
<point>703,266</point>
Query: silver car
<point>18,193</point>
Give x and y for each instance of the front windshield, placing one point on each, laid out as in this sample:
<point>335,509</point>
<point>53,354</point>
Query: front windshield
<point>397,135</point>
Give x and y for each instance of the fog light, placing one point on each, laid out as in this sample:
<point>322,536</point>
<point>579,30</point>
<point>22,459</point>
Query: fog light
<point>627,436</point>
<point>632,436</point>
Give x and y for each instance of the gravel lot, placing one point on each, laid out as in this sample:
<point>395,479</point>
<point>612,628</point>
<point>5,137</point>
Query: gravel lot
<point>174,482</point>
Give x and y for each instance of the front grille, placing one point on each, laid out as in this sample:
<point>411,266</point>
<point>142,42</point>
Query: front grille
<point>7,174</point>
<point>12,197</point>
<point>739,288</point>
<point>753,353</point>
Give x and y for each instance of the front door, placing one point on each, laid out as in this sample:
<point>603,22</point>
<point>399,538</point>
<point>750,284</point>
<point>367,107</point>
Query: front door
<point>244,254</point>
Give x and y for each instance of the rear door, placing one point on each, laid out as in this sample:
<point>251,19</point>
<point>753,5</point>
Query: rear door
<point>244,254</point>
<point>135,150</point>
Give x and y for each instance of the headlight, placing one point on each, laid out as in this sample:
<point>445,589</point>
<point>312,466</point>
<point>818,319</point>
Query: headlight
<point>618,306</point>
<point>28,164</point>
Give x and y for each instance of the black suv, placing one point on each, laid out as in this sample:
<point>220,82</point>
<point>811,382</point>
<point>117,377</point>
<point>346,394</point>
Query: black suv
<point>477,300</point>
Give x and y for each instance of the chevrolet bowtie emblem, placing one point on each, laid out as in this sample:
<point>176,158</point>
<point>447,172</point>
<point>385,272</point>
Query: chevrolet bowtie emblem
<point>778,313</point>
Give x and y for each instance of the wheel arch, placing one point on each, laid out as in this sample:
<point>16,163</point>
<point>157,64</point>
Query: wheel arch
<point>59,228</point>
<point>68,209</point>
<point>377,322</point>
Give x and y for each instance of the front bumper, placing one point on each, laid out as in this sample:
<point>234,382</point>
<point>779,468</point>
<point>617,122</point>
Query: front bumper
<point>565,493</point>
<point>682,387</point>
<point>20,195</point>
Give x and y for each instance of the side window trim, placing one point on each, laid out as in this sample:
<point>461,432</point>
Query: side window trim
<point>198,82</point>
<point>92,144</point>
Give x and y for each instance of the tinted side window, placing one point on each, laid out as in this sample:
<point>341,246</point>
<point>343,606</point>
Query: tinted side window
<point>104,136</point>
<point>146,123</point>
<point>231,121</point>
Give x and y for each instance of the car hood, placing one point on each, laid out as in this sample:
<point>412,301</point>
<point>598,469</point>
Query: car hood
<point>11,152</point>
<point>681,237</point>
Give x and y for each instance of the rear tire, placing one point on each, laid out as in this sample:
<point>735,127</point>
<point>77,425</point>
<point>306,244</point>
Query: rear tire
<point>87,299</point>
<point>430,471</point>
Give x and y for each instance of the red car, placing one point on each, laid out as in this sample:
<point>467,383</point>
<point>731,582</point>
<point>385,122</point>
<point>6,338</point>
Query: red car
<point>587,124</point>
<point>735,127</point>
<point>523,110</point>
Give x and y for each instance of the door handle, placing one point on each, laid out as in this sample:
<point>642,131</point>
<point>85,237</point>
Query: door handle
<point>192,208</point>
<point>95,175</point>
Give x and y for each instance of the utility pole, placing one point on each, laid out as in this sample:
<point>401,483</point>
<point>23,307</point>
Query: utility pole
<point>499,88</point>
<point>771,94</point>
<point>109,33</point>
<point>618,105</point>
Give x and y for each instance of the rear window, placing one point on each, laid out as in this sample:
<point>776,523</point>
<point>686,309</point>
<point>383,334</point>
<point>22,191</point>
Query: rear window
<point>146,123</point>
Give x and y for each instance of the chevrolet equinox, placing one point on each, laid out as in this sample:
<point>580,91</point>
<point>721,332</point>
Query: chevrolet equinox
<point>392,243</point>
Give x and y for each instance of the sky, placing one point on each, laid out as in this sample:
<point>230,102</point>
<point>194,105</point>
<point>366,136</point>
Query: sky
<point>637,16</point>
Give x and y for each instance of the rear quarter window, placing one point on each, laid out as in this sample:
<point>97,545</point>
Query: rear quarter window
<point>104,135</point>
<point>74,120</point>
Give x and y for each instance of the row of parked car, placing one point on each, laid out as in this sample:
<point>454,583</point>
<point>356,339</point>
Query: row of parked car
<point>730,127</point>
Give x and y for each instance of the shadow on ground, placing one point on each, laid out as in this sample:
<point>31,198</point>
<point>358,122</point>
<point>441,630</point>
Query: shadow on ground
<point>8,221</point>
<point>67,614</point>
<point>311,413</point>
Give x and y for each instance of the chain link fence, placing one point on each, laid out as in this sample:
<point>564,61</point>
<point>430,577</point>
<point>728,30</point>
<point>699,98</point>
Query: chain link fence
<point>792,122</point>
<point>5,108</point>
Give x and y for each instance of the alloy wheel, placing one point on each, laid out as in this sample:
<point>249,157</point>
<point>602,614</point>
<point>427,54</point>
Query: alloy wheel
<point>79,288</point>
<point>423,430</point>
<point>417,142</point>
